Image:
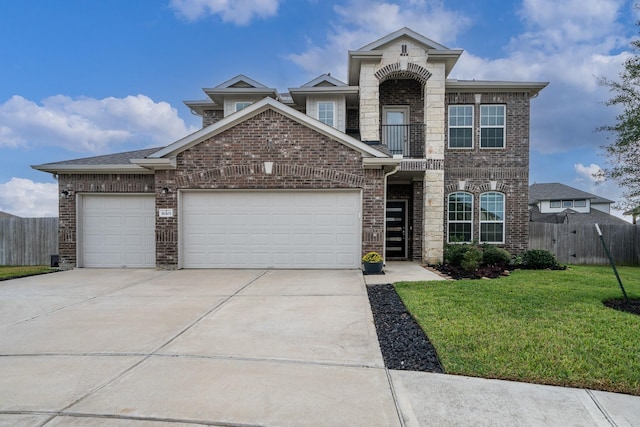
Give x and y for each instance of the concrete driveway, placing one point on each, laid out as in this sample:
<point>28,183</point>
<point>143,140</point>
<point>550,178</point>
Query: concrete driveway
<point>141,348</point>
<point>224,347</point>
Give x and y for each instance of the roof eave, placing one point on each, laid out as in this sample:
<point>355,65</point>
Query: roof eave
<point>68,169</point>
<point>217,95</point>
<point>165,163</point>
<point>533,88</point>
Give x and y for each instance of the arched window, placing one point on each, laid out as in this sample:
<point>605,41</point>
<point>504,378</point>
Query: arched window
<point>492,217</point>
<point>460,220</point>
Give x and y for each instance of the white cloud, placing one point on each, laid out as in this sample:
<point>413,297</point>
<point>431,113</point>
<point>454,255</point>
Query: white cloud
<point>589,174</point>
<point>88,124</point>
<point>239,12</point>
<point>362,21</point>
<point>23,197</point>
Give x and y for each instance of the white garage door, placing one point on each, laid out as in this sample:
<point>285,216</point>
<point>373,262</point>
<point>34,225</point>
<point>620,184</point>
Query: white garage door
<point>117,231</point>
<point>271,229</point>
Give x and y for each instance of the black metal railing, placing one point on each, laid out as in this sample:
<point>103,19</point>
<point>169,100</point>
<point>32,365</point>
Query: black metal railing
<point>407,140</point>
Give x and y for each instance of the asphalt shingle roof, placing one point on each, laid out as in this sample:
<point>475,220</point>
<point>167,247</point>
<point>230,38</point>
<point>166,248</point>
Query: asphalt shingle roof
<point>109,159</point>
<point>557,191</point>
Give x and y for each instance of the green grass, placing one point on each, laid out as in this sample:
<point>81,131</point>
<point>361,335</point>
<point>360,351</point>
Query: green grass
<point>13,272</point>
<point>547,327</point>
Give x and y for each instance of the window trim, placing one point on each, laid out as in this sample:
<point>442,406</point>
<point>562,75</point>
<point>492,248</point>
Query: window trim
<point>470,221</point>
<point>333,110</point>
<point>503,127</point>
<point>555,204</point>
<point>449,127</point>
<point>503,222</point>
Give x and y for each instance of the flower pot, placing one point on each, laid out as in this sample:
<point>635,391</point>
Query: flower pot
<point>373,267</point>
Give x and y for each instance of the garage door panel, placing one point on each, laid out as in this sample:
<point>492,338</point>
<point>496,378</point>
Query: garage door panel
<point>281,229</point>
<point>117,231</point>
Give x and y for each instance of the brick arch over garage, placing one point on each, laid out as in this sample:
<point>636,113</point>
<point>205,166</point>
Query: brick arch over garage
<point>203,179</point>
<point>396,71</point>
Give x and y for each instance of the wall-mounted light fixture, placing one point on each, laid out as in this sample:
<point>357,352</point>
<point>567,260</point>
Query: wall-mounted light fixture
<point>64,193</point>
<point>165,190</point>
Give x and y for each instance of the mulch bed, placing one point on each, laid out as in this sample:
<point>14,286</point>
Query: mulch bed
<point>403,343</point>
<point>619,304</point>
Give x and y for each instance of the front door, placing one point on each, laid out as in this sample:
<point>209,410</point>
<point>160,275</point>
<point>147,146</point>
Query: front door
<point>396,217</point>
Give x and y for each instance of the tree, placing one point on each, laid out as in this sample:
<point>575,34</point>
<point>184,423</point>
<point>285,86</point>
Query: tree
<point>623,151</point>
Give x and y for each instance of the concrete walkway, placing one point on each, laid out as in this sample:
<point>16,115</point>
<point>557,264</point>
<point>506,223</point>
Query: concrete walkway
<point>139,348</point>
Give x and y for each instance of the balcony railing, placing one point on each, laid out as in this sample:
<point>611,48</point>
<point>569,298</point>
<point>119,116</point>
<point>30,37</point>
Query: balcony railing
<point>407,140</point>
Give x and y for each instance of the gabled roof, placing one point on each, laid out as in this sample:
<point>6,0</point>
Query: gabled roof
<point>118,162</point>
<point>257,108</point>
<point>324,85</point>
<point>557,191</point>
<point>239,85</point>
<point>324,80</point>
<point>374,51</point>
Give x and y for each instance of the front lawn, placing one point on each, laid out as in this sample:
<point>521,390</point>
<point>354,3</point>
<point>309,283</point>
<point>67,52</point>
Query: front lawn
<point>547,327</point>
<point>13,272</point>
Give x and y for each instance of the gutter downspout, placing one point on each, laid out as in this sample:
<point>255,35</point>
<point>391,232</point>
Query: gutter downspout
<point>384,225</point>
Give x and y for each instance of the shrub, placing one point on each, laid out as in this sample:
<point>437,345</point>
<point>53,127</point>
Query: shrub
<point>492,255</point>
<point>454,253</point>
<point>539,259</point>
<point>471,259</point>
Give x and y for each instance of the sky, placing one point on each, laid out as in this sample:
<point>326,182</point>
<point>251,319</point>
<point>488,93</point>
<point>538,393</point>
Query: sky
<point>80,78</point>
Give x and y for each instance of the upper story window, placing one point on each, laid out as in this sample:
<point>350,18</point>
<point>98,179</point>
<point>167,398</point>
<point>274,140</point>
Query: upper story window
<point>240,105</point>
<point>492,119</point>
<point>326,113</point>
<point>460,219</point>
<point>461,126</point>
<point>555,204</point>
<point>492,217</point>
<point>580,203</point>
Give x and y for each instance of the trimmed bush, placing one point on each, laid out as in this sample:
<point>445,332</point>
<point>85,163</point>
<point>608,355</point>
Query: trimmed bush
<point>454,253</point>
<point>539,259</point>
<point>492,255</point>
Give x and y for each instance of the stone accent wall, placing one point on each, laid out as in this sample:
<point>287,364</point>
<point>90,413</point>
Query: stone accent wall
<point>506,170</point>
<point>84,184</point>
<point>302,159</point>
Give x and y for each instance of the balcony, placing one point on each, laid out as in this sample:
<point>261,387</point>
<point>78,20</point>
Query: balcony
<point>407,140</point>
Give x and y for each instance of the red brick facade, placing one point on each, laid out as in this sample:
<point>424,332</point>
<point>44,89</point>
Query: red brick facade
<point>234,159</point>
<point>508,167</point>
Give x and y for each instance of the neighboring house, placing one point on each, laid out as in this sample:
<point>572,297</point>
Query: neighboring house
<point>560,204</point>
<point>7,215</point>
<point>399,159</point>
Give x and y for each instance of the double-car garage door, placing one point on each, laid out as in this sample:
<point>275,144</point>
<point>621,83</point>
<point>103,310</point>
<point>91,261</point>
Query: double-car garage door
<point>271,229</point>
<point>227,229</point>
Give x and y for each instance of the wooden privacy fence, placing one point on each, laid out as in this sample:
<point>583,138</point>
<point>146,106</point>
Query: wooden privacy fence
<point>580,244</point>
<point>28,241</point>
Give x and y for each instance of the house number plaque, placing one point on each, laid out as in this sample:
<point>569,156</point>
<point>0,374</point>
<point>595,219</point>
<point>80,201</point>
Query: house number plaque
<point>165,213</point>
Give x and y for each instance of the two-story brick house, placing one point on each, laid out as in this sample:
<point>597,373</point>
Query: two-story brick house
<point>399,160</point>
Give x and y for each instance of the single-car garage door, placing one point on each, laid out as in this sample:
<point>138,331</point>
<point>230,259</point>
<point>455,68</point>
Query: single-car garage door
<point>271,229</point>
<point>117,231</point>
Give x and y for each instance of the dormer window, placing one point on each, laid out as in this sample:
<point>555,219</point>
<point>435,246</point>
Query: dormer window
<point>241,105</point>
<point>326,112</point>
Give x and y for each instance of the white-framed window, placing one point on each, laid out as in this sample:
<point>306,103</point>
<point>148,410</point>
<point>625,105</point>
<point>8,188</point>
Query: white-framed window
<point>460,126</point>
<point>580,203</point>
<point>492,126</point>
<point>555,204</point>
<point>460,217</point>
<point>492,217</point>
<point>241,105</point>
<point>567,203</point>
<point>327,112</point>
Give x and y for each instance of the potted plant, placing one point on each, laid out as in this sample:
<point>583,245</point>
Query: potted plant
<point>372,263</point>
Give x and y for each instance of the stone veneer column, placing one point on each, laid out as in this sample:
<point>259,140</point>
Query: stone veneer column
<point>369,104</point>
<point>433,248</point>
